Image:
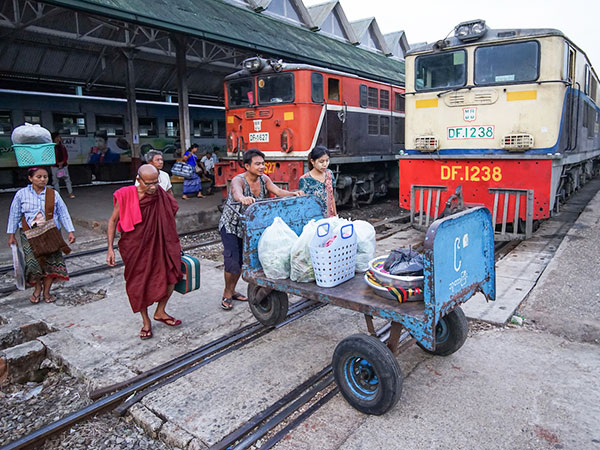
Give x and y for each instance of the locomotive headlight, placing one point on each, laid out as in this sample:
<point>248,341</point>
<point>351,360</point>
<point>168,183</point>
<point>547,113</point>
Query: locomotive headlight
<point>470,30</point>
<point>287,140</point>
<point>253,64</point>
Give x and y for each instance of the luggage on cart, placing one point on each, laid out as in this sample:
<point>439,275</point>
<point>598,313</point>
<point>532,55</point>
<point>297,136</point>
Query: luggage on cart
<point>190,266</point>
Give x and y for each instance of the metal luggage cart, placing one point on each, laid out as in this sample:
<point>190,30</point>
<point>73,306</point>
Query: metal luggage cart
<point>458,262</point>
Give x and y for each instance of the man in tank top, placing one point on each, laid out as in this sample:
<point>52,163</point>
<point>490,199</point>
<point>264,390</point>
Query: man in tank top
<point>245,189</point>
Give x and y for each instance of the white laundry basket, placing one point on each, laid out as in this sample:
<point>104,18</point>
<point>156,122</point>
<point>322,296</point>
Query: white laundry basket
<point>334,264</point>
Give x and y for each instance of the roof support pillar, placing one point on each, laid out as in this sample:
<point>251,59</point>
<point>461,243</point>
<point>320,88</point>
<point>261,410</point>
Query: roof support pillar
<point>182,93</point>
<point>132,115</point>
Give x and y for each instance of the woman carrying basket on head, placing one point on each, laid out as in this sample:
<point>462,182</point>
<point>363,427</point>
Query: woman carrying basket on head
<point>28,209</point>
<point>319,180</point>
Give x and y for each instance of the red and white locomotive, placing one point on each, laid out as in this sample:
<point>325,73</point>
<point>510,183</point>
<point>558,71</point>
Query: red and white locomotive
<point>285,110</point>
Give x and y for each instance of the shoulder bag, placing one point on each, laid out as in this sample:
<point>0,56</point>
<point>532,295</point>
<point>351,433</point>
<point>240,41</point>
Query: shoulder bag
<point>46,238</point>
<point>182,169</point>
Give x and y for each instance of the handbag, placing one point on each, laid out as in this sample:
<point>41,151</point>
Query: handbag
<point>46,238</point>
<point>182,169</point>
<point>61,173</point>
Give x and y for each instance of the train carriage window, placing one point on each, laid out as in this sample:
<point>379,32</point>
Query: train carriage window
<point>221,130</point>
<point>203,128</point>
<point>373,98</point>
<point>172,127</point>
<point>398,130</point>
<point>5,123</point>
<point>441,70</point>
<point>240,93</point>
<point>274,89</point>
<point>33,117</point>
<point>586,88</point>
<point>113,125</point>
<point>507,63</point>
<point>384,125</point>
<point>363,95</point>
<point>399,102</point>
<point>333,89</point>
<point>384,99</point>
<point>373,128</point>
<point>316,87</point>
<point>147,127</point>
<point>69,124</point>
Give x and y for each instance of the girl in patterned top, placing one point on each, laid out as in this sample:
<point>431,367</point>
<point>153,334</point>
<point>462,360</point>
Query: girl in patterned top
<point>319,180</point>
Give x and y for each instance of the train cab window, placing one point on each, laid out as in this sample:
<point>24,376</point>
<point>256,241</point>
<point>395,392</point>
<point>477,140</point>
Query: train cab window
<point>147,127</point>
<point>274,89</point>
<point>221,130</point>
<point>203,128</point>
<point>399,102</point>
<point>70,124</point>
<point>240,93</point>
<point>507,63</point>
<point>172,127</point>
<point>5,123</point>
<point>363,95</point>
<point>113,125</point>
<point>333,89</point>
<point>372,97</point>
<point>316,87</point>
<point>384,99</point>
<point>33,117</point>
<point>441,70</point>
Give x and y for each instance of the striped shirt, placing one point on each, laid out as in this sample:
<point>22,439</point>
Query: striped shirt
<point>28,203</point>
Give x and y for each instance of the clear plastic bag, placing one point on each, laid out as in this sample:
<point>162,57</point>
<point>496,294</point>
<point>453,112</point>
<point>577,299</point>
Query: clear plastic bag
<point>301,265</point>
<point>366,244</point>
<point>18,266</point>
<point>30,134</point>
<point>274,249</point>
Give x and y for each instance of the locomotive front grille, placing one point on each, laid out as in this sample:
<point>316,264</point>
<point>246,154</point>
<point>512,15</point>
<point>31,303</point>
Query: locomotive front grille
<point>426,143</point>
<point>517,142</point>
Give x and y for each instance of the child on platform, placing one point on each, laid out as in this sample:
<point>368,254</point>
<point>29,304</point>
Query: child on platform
<point>319,180</point>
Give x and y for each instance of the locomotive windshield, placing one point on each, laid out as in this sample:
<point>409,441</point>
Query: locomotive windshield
<point>276,89</point>
<point>441,70</point>
<point>507,63</point>
<point>241,92</point>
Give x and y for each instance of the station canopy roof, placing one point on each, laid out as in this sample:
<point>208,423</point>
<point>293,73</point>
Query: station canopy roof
<point>84,42</point>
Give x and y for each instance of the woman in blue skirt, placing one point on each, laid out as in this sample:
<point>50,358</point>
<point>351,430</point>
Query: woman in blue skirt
<point>192,185</point>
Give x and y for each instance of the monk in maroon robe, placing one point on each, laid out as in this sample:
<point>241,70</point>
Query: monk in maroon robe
<point>149,245</point>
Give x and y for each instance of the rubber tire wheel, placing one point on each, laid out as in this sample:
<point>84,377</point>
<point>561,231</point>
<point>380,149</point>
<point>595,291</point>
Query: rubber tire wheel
<point>377,388</point>
<point>272,310</point>
<point>450,333</point>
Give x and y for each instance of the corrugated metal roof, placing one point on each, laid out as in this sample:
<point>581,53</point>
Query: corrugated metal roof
<point>223,22</point>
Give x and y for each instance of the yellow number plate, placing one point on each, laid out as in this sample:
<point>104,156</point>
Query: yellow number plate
<point>471,173</point>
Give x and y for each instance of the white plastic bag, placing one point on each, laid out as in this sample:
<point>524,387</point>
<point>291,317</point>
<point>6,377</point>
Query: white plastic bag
<point>366,244</point>
<point>274,249</point>
<point>30,134</point>
<point>18,266</point>
<point>301,265</point>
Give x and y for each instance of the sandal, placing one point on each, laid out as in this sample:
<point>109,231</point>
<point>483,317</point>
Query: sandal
<point>49,299</point>
<point>200,195</point>
<point>239,297</point>
<point>226,304</point>
<point>171,321</point>
<point>35,298</point>
<point>145,334</point>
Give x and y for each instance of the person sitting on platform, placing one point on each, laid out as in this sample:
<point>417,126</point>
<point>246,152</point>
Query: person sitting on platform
<point>149,245</point>
<point>207,167</point>
<point>155,157</point>
<point>246,188</point>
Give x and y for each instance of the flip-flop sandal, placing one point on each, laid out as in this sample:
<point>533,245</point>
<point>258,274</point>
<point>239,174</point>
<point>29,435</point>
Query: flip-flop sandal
<point>145,334</point>
<point>226,304</point>
<point>49,299</point>
<point>239,297</point>
<point>173,320</point>
<point>35,298</point>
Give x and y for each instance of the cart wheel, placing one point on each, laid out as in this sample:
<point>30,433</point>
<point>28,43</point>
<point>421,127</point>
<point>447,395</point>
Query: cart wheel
<point>450,333</point>
<point>272,309</point>
<point>367,374</point>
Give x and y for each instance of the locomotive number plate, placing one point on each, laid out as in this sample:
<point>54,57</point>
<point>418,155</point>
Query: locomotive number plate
<point>480,132</point>
<point>259,137</point>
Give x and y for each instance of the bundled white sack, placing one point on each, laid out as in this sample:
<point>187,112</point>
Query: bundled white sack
<point>366,244</point>
<point>301,265</point>
<point>30,134</point>
<point>274,249</point>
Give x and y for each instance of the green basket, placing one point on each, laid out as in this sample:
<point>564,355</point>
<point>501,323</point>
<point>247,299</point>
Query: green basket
<point>34,154</point>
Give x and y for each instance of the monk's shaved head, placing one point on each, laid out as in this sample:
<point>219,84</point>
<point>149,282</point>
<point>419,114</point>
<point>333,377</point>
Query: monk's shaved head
<point>147,171</point>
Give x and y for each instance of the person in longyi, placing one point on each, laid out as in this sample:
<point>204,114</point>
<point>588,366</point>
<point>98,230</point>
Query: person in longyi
<point>149,245</point>
<point>28,208</point>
